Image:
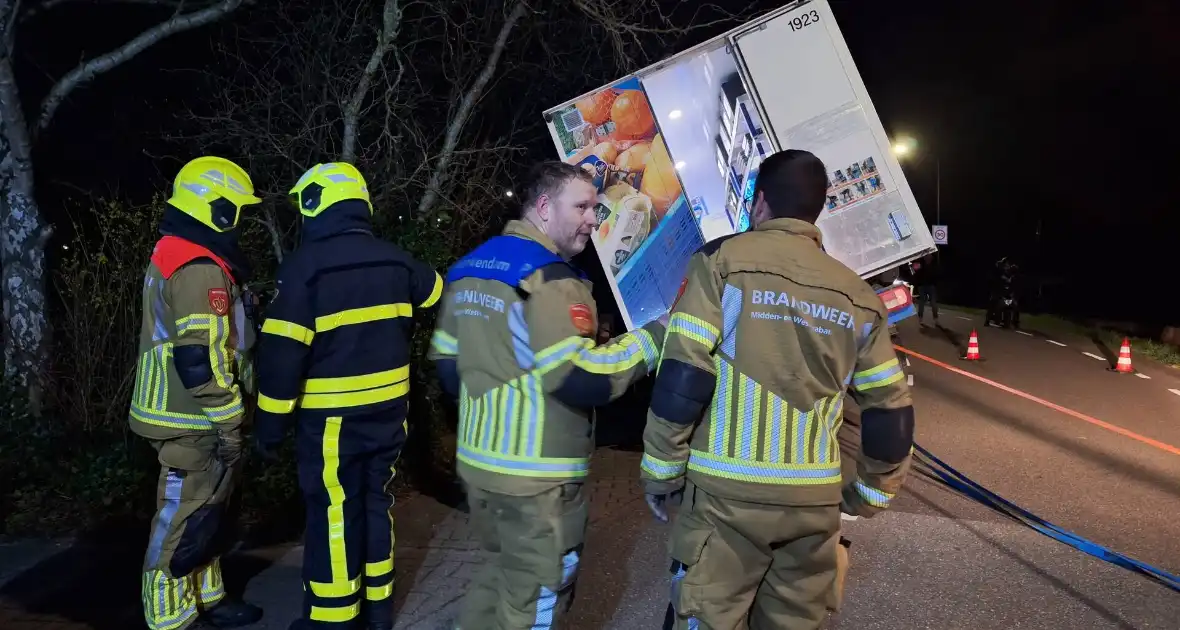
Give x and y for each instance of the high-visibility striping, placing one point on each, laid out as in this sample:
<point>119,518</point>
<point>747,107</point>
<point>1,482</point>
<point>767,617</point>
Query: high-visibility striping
<point>881,375</point>
<point>693,328</point>
<point>290,330</point>
<point>444,343</point>
<point>662,469</point>
<point>435,292</point>
<point>275,405</point>
<point>872,496</point>
<point>1163,446</point>
<point>342,585</point>
<point>354,399</point>
<point>341,384</point>
<point>352,316</point>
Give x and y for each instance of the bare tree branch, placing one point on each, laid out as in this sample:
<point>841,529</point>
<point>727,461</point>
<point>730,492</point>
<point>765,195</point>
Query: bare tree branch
<point>391,18</point>
<point>86,71</point>
<point>44,6</point>
<point>459,121</point>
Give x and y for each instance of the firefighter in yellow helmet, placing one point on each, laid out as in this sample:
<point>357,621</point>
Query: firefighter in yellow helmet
<point>188,400</point>
<point>746,408</point>
<point>334,356</point>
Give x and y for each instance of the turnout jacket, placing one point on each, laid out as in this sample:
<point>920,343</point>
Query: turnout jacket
<point>336,337</point>
<point>194,344</point>
<point>748,400</point>
<point>515,344</point>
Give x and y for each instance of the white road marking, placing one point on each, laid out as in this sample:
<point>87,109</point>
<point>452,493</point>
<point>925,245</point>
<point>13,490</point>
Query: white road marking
<point>966,319</point>
<point>1094,356</point>
<point>1175,391</point>
<point>1026,334</point>
<point>1058,343</point>
<point>907,361</point>
<point>909,379</point>
<point>1142,375</point>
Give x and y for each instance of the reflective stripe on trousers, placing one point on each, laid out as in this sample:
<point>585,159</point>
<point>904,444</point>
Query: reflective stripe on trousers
<point>173,603</point>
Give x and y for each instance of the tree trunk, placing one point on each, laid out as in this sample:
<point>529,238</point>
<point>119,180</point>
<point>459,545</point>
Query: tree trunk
<point>23,236</point>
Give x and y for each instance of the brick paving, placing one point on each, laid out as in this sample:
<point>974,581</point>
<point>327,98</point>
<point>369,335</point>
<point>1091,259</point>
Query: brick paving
<point>94,584</point>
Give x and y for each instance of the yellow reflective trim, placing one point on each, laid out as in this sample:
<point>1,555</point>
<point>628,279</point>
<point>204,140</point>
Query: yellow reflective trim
<point>364,315</point>
<point>193,322</point>
<point>888,380</point>
<point>290,330</point>
<point>336,614</point>
<point>547,467</point>
<point>873,370</point>
<point>621,355</point>
<point>435,293</point>
<point>354,399</point>
<point>737,469</point>
<point>693,328</point>
<point>336,589</point>
<point>275,405</point>
<point>337,551</point>
<point>378,593</point>
<point>444,343</point>
<point>219,353</point>
<point>342,384</point>
<point>377,569</point>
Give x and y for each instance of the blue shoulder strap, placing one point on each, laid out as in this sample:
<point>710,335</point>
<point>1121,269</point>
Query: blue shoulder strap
<point>507,259</point>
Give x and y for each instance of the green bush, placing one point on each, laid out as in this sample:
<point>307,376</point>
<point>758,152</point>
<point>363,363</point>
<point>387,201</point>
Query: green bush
<point>78,466</point>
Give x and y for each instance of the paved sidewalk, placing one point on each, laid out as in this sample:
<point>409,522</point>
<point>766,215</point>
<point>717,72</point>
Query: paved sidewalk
<point>934,561</point>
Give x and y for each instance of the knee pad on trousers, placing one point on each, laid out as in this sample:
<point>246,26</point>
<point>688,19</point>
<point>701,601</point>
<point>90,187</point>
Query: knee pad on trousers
<point>195,547</point>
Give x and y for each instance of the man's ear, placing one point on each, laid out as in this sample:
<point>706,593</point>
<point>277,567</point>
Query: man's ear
<point>542,207</point>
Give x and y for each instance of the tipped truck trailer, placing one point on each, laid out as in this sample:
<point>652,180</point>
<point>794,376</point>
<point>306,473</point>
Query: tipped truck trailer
<point>675,147</point>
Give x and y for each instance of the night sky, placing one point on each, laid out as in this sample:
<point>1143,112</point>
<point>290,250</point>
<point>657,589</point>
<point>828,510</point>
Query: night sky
<point>1048,113</point>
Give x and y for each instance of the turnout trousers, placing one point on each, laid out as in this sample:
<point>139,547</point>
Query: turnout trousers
<point>346,469</point>
<point>533,545</point>
<point>182,568</point>
<point>771,565</point>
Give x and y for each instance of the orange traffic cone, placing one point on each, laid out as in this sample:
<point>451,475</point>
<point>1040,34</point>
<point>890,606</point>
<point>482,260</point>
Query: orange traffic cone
<point>1124,364</point>
<point>972,347</point>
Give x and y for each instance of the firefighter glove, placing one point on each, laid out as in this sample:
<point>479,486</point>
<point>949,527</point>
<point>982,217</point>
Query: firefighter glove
<point>658,503</point>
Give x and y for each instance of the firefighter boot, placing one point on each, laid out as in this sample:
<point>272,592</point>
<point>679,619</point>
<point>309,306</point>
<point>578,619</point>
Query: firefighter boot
<point>231,613</point>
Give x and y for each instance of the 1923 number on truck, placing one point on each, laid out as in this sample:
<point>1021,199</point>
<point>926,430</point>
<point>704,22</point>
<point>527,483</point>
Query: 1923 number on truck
<point>802,21</point>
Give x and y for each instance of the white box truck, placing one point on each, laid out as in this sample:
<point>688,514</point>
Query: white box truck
<point>675,149</point>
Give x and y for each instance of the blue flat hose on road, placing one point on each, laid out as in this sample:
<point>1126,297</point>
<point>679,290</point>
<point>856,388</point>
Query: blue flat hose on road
<point>960,482</point>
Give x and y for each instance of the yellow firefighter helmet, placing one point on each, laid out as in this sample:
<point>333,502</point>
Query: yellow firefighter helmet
<point>326,184</point>
<point>213,190</point>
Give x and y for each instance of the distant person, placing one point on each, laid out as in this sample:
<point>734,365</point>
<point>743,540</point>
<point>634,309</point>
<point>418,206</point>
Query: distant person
<point>925,277</point>
<point>1003,307</point>
<point>190,390</point>
<point>746,410</point>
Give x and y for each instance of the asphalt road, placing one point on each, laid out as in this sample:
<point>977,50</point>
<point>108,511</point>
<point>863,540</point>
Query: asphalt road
<point>934,560</point>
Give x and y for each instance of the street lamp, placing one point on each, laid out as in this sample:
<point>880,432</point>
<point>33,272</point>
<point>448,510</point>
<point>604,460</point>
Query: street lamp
<point>903,148</point>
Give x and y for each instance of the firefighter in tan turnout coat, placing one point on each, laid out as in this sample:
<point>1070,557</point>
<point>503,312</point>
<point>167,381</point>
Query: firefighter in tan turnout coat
<point>516,344</point>
<point>768,335</point>
<point>188,400</point>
